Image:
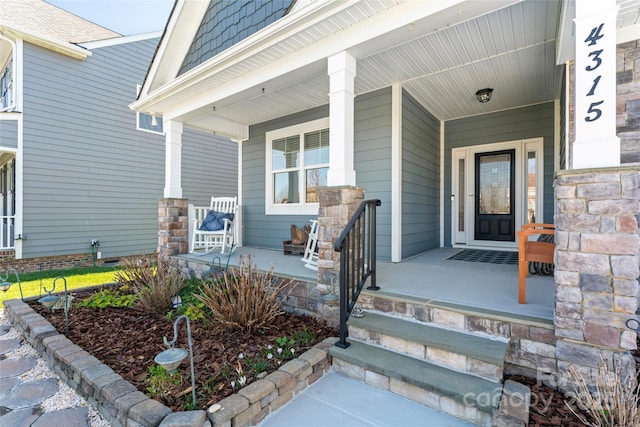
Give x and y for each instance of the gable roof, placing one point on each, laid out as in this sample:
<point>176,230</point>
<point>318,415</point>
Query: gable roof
<point>440,52</point>
<point>225,23</point>
<point>41,18</point>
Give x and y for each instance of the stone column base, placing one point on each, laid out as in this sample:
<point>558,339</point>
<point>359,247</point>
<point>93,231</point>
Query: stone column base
<point>173,227</point>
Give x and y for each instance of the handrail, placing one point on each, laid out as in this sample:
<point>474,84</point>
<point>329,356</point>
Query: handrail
<point>357,247</point>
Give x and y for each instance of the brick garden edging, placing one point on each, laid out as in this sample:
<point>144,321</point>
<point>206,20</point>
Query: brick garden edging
<point>120,402</point>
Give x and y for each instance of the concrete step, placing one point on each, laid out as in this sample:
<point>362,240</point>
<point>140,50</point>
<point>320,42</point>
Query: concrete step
<point>449,315</point>
<point>459,351</point>
<point>464,396</point>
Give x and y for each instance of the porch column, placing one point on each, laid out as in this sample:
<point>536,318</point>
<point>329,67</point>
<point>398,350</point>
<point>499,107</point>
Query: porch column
<point>596,143</point>
<point>173,227</point>
<point>342,72</point>
<point>597,265</point>
<point>337,206</point>
<point>173,160</point>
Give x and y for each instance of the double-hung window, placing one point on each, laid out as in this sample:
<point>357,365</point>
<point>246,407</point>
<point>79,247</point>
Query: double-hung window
<point>297,160</point>
<point>6,86</point>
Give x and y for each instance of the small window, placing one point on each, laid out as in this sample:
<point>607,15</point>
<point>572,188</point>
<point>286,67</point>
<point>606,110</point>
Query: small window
<point>6,86</point>
<point>148,122</point>
<point>297,165</point>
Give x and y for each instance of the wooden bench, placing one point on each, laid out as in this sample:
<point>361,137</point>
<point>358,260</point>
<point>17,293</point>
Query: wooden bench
<point>532,251</point>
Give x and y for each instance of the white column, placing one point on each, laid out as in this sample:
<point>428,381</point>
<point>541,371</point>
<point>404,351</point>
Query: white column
<point>396,172</point>
<point>173,160</point>
<point>238,222</point>
<point>342,72</point>
<point>596,143</point>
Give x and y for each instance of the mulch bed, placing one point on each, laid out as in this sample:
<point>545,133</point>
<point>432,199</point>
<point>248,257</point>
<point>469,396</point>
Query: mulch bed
<point>549,406</point>
<point>127,340</point>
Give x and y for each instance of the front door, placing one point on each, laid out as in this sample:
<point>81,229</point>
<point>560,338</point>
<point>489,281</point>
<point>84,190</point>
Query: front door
<point>495,196</point>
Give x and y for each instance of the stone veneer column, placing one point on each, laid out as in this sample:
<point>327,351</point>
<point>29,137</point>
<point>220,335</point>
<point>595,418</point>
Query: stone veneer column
<point>173,227</point>
<point>597,266</point>
<point>337,206</point>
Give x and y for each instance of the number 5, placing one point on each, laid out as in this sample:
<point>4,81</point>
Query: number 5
<point>596,111</point>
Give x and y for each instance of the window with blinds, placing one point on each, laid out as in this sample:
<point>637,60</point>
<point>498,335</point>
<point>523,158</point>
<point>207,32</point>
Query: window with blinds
<point>297,163</point>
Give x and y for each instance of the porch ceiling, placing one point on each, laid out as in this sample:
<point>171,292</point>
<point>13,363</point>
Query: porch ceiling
<point>442,63</point>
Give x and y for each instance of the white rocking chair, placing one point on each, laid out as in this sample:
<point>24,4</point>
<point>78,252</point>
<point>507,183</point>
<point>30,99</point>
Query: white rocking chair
<point>310,257</point>
<point>221,215</point>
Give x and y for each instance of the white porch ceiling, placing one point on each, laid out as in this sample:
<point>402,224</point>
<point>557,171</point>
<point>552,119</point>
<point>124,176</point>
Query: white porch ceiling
<point>511,50</point>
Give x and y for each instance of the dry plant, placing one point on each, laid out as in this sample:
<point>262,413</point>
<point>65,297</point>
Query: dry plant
<point>154,280</point>
<point>613,401</point>
<point>245,299</point>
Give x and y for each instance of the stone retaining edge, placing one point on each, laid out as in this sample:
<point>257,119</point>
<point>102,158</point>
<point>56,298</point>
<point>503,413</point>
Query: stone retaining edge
<point>122,405</point>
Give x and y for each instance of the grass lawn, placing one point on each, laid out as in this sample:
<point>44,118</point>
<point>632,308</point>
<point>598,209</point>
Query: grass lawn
<point>76,278</point>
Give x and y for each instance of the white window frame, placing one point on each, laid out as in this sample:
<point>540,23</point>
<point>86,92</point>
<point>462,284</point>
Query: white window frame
<point>9,63</point>
<point>138,114</point>
<point>301,208</point>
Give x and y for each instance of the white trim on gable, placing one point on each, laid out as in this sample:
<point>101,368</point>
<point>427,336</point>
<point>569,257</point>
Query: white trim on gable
<point>47,42</point>
<point>121,40</point>
<point>179,34</point>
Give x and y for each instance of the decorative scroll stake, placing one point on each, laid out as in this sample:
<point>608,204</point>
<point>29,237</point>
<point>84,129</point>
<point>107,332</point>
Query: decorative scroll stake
<point>5,285</point>
<point>50,300</point>
<point>171,358</point>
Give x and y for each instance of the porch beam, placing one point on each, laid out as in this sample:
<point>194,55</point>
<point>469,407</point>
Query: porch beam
<point>596,143</point>
<point>342,72</point>
<point>173,160</point>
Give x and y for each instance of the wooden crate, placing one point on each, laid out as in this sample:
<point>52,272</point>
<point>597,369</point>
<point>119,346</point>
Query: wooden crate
<point>289,248</point>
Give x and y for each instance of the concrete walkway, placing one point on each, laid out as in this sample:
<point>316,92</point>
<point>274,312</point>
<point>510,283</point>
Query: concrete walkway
<point>30,394</point>
<point>335,400</point>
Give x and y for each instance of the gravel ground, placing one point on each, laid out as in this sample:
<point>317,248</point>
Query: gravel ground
<point>66,396</point>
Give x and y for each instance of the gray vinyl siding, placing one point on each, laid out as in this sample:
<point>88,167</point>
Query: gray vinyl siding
<point>209,167</point>
<point>420,178</point>
<point>88,173</point>
<point>372,141</point>
<point>510,125</point>
<point>8,134</point>
<point>372,150</point>
<point>260,230</point>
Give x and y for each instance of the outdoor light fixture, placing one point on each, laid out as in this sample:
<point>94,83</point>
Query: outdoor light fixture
<point>5,284</point>
<point>484,95</point>
<point>170,359</point>
<point>50,300</point>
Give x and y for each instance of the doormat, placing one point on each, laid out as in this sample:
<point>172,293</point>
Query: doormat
<point>481,255</point>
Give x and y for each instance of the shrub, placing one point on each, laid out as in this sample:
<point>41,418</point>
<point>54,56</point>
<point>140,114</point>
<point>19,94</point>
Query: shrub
<point>110,298</point>
<point>244,300</point>
<point>154,281</point>
<point>613,401</point>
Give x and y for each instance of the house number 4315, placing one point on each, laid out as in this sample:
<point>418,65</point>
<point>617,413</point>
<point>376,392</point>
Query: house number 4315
<point>594,113</point>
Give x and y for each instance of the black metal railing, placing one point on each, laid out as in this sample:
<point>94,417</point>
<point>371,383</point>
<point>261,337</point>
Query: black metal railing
<point>357,247</point>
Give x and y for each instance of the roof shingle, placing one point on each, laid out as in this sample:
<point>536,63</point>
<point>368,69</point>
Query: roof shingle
<point>42,18</point>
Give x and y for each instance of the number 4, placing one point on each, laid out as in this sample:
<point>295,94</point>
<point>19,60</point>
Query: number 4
<point>595,35</point>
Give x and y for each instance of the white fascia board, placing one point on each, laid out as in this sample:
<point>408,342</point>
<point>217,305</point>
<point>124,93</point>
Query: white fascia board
<point>400,16</point>
<point>176,40</point>
<point>627,34</point>
<point>565,44</point>
<point>121,40</point>
<point>48,42</point>
<point>277,31</point>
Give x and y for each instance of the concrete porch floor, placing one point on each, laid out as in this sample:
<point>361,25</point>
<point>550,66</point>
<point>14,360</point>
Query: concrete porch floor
<point>428,276</point>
